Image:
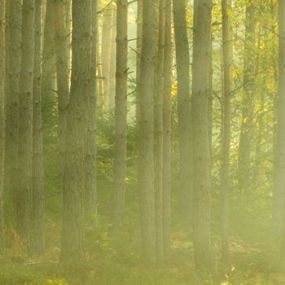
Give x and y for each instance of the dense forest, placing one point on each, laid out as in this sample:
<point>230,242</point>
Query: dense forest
<point>142,142</point>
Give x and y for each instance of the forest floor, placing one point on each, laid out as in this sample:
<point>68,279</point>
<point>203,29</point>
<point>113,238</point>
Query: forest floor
<point>249,265</point>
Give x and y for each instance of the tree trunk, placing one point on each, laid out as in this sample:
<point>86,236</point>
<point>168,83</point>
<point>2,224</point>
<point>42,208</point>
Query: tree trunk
<point>158,130</point>
<point>279,175</point>
<point>2,120</point>
<point>74,188</point>
<point>138,55</point>
<point>200,132</point>
<point>62,71</point>
<point>38,237</point>
<point>48,90</point>
<point>112,73</point>
<point>68,23</point>
<point>13,63</point>
<point>183,95</point>
<point>26,121</point>
<point>227,83</point>
<point>120,164</point>
<point>166,182</point>
<point>245,143</point>
<point>260,101</point>
<point>146,129</point>
<point>106,53</point>
<point>90,170</point>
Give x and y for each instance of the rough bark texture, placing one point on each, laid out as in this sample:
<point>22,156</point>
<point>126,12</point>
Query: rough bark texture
<point>2,125</point>
<point>183,95</point>
<point>146,129</point>
<point>120,163</point>
<point>26,121</point>
<point>227,80</point>
<point>200,133</point>
<point>13,62</point>
<point>73,192</point>
<point>38,232</point>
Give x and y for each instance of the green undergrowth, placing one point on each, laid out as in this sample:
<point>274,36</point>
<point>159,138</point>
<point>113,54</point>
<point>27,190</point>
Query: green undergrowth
<point>249,265</point>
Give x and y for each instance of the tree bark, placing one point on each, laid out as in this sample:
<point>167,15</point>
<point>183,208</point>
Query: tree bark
<point>74,188</point>
<point>48,91</point>
<point>2,121</point>
<point>227,83</point>
<point>38,238</point>
<point>120,163</point>
<point>26,122</point>
<point>245,143</point>
<point>158,131</point>
<point>166,182</point>
<point>138,55</point>
<point>62,72</point>
<point>279,175</point>
<point>200,132</point>
<point>183,96</point>
<point>13,63</point>
<point>146,130</point>
<point>107,54</point>
<point>90,159</point>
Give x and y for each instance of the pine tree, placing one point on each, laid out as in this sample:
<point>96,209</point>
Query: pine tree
<point>2,122</point>
<point>146,131</point>
<point>201,150</point>
<point>26,120</point>
<point>183,95</point>
<point>76,130</point>
<point>120,162</point>
<point>227,78</point>
<point>38,227</point>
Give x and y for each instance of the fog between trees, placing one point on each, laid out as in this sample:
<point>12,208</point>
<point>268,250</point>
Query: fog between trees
<point>142,142</point>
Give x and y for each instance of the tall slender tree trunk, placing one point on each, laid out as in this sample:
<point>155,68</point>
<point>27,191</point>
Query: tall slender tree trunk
<point>112,73</point>
<point>68,23</point>
<point>62,71</point>
<point>166,182</point>
<point>106,53</point>
<point>13,42</point>
<point>227,82</point>
<point>38,232</point>
<point>138,55</point>
<point>26,121</point>
<point>210,102</point>
<point>158,130</point>
<point>49,66</point>
<point>90,159</point>
<point>74,188</point>
<point>2,120</point>
<point>100,81</point>
<point>260,100</point>
<point>183,95</point>
<point>279,175</point>
<point>48,90</point>
<point>200,132</point>
<point>146,129</point>
<point>120,164</point>
<point>245,143</point>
